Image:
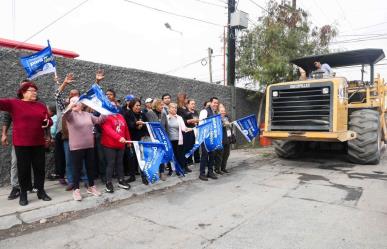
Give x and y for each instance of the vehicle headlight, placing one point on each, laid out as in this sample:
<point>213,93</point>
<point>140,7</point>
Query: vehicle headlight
<point>275,93</point>
<point>325,90</point>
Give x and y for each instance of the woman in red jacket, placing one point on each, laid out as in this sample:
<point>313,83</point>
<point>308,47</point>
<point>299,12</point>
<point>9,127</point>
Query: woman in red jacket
<point>30,119</point>
<point>115,135</point>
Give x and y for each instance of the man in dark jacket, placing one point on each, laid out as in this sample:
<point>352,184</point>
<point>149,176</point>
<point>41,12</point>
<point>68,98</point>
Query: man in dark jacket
<point>207,158</point>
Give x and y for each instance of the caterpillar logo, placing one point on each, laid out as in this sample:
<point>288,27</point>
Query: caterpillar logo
<point>299,86</point>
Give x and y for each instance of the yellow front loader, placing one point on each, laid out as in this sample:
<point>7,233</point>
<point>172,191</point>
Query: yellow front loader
<point>329,108</point>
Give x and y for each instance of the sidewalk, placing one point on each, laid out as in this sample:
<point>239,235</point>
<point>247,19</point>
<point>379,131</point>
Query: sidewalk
<point>11,213</point>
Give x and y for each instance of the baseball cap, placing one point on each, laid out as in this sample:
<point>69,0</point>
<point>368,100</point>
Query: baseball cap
<point>148,100</point>
<point>129,97</point>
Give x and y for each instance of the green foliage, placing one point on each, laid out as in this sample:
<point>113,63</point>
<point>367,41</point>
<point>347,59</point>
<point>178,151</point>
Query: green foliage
<point>282,34</point>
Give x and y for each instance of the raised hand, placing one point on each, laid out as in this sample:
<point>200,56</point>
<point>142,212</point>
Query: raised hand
<point>100,75</point>
<point>69,78</point>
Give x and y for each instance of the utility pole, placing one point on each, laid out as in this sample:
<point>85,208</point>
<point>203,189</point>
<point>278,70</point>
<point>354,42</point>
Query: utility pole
<point>230,46</point>
<point>210,51</point>
<point>294,4</point>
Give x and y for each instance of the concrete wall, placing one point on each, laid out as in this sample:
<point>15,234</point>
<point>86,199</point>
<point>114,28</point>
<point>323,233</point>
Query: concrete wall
<point>123,80</point>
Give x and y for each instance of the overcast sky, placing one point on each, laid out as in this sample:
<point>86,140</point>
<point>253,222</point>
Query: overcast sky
<point>120,33</point>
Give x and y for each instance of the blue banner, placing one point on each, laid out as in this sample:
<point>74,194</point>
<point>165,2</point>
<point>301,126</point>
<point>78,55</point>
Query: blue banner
<point>40,63</point>
<point>248,126</point>
<point>97,100</point>
<point>158,134</point>
<point>214,139</point>
<point>202,131</point>
<point>149,156</point>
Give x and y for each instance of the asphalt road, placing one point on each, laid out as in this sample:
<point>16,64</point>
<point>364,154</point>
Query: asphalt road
<point>317,202</point>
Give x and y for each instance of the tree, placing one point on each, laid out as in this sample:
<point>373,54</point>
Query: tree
<point>282,34</point>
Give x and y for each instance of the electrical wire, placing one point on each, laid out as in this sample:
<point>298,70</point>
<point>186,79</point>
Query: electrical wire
<point>259,6</point>
<point>173,14</point>
<point>47,26</point>
<point>189,64</point>
<point>213,4</point>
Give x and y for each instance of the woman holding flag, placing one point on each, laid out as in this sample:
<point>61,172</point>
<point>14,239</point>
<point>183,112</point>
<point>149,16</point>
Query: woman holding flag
<point>30,119</point>
<point>115,135</point>
<point>176,127</point>
<point>81,142</point>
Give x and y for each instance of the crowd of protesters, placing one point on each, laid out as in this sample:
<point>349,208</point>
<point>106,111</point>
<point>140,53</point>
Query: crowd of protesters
<point>88,145</point>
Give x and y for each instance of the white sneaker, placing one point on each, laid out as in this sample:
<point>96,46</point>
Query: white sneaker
<point>77,195</point>
<point>93,190</point>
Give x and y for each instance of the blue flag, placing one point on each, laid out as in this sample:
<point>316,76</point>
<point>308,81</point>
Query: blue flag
<point>97,100</point>
<point>202,131</point>
<point>40,63</point>
<point>248,126</point>
<point>214,139</point>
<point>158,134</point>
<point>149,156</point>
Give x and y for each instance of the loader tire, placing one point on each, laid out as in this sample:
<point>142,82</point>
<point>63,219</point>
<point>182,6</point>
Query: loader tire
<point>288,149</point>
<point>366,147</point>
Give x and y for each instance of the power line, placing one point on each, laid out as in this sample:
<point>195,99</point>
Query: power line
<point>189,64</point>
<point>48,25</point>
<point>213,4</point>
<point>185,66</point>
<point>342,11</point>
<point>172,13</point>
<point>366,27</point>
<point>381,34</point>
<point>360,40</point>
<point>321,10</point>
<point>259,6</point>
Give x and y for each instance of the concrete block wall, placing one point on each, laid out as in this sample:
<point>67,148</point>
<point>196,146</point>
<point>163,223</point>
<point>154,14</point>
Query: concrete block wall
<point>123,80</point>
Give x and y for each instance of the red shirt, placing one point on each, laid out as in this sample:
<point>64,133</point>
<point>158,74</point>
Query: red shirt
<point>27,118</point>
<point>113,129</point>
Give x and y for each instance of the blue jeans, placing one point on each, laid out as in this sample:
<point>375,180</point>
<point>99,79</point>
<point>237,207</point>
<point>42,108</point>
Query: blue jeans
<point>69,165</point>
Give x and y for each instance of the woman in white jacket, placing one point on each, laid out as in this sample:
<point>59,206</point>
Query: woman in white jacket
<point>175,129</point>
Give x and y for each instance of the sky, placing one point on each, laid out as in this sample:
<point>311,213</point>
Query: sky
<point>121,33</point>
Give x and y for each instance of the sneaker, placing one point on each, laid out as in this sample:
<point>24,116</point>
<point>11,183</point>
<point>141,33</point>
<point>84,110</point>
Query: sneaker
<point>109,187</point>
<point>69,187</point>
<point>53,177</point>
<point>93,190</point>
<point>123,184</point>
<point>77,195</point>
<point>218,172</point>
<point>62,181</point>
<point>144,180</point>
<point>163,177</point>
<point>15,193</point>
<point>203,178</point>
<point>131,179</point>
<point>34,190</point>
<point>212,176</point>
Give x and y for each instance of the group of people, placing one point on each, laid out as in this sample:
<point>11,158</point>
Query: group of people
<point>89,145</point>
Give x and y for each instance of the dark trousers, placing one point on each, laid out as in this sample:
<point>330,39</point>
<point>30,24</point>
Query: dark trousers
<point>189,141</point>
<point>178,151</point>
<point>114,159</point>
<point>126,161</point>
<point>77,157</point>
<point>101,155</point>
<point>59,155</point>
<point>206,161</point>
<point>133,163</point>
<point>221,157</point>
<point>28,156</point>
